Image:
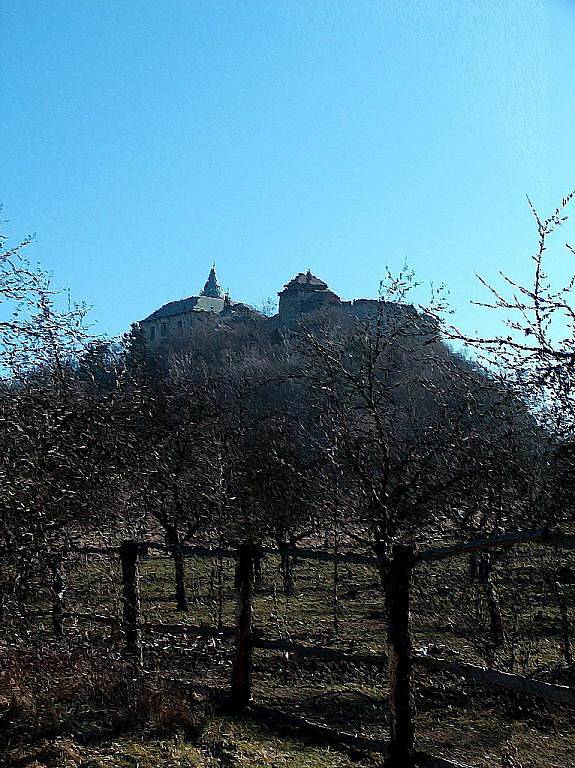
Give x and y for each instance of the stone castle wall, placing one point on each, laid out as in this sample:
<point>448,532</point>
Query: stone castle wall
<point>304,295</point>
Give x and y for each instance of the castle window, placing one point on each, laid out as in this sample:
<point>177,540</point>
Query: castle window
<point>180,326</point>
<point>164,329</point>
<point>152,333</point>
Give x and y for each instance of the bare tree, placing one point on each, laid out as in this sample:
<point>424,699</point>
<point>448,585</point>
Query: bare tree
<point>34,330</point>
<point>406,417</point>
<point>537,348</point>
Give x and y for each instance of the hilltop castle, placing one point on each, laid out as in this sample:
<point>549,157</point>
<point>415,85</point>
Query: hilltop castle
<point>301,296</point>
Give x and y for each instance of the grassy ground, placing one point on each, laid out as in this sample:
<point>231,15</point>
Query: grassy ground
<point>226,743</point>
<point>456,720</point>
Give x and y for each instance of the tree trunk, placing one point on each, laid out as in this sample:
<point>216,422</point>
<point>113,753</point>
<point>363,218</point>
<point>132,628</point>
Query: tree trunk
<point>173,541</point>
<point>129,552</point>
<point>565,627</point>
<point>258,572</point>
<point>241,693</point>
<point>473,566</point>
<point>286,569</point>
<point>220,578</point>
<point>58,588</point>
<point>396,574</point>
<point>335,575</point>
<point>496,627</point>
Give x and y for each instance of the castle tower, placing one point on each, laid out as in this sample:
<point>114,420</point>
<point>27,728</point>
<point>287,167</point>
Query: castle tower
<point>304,293</point>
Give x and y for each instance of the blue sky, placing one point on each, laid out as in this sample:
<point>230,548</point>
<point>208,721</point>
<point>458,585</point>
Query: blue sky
<point>142,140</point>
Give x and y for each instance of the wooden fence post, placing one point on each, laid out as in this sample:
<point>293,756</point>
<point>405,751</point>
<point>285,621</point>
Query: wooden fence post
<point>129,551</point>
<point>397,574</point>
<point>241,693</point>
<point>57,588</point>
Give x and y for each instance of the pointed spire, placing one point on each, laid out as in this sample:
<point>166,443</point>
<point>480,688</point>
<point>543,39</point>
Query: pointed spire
<point>212,288</point>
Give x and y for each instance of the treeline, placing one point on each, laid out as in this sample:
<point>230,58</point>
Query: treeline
<point>354,433</point>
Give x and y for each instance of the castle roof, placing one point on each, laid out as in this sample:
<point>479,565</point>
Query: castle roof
<point>191,304</point>
<point>211,299</point>
<point>305,281</point>
<point>212,288</point>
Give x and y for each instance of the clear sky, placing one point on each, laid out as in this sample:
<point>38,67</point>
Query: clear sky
<point>143,139</point>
